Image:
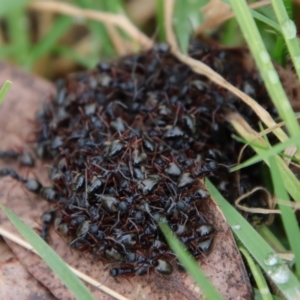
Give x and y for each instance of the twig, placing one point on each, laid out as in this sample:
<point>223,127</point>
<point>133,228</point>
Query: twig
<point>201,68</point>
<point>79,274</point>
<point>107,18</point>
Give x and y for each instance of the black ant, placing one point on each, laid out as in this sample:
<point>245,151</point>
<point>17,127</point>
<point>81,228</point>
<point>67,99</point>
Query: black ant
<point>47,218</point>
<point>208,169</point>
<point>25,159</point>
<point>32,185</point>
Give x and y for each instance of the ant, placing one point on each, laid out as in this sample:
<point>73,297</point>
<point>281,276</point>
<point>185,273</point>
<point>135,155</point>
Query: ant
<point>208,169</point>
<point>162,266</point>
<point>25,159</point>
<point>47,218</point>
<point>32,185</point>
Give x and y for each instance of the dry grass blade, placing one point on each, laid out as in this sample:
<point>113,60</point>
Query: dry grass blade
<point>141,11</point>
<point>107,18</point>
<point>294,205</point>
<point>201,68</point>
<point>79,274</point>
<point>116,39</point>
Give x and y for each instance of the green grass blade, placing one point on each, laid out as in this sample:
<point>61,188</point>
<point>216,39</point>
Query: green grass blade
<point>265,66</point>
<point>18,32</point>
<point>4,90</point>
<point>266,153</point>
<point>256,246</point>
<point>187,16</point>
<point>260,17</point>
<point>115,6</point>
<point>87,62</point>
<point>291,183</point>
<point>258,276</point>
<point>50,257</point>
<point>195,15</point>
<point>7,6</point>
<point>181,24</point>
<point>160,20</point>
<point>190,264</point>
<point>100,40</point>
<point>288,216</point>
<point>289,30</point>
<point>272,24</point>
<point>231,35</point>
<point>6,50</point>
<point>279,51</point>
<point>271,238</point>
<point>45,45</point>
<point>288,7</point>
<point>257,295</point>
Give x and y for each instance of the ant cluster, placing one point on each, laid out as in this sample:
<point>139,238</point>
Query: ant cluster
<point>128,144</point>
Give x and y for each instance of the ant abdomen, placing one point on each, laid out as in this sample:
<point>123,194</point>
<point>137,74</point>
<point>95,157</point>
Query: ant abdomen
<point>114,272</point>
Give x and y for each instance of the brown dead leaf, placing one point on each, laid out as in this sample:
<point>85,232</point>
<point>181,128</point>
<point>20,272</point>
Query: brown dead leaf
<point>5,253</point>
<point>223,266</point>
<point>16,282</point>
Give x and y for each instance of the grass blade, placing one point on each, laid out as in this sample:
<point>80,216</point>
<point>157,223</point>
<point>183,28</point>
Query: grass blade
<point>50,257</point>
<point>258,276</point>
<point>190,264</point>
<point>266,153</point>
<point>186,17</point>
<point>18,31</point>
<point>291,183</point>
<point>11,5</point>
<point>257,246</point>
<point>260,17</point>
<point>278,53</point>
<point>4,90</point>
<point>270,237</point>
<point>289,30</point>
<point>100,40</point>
<point>87,62</point>
<point>288,217</point>
<point>265,66</point>
<point>181,25</point>
<point>160,19</point>
<point>46,44</point>
<point>257,295</point>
